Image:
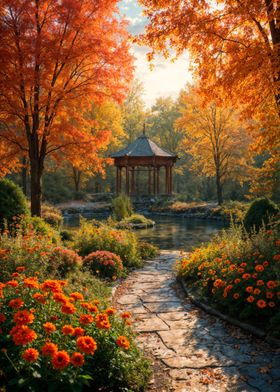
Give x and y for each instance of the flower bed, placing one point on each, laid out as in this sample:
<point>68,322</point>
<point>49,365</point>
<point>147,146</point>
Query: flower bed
<point>239,275</point>
<point>56,339</point>
<point>104,264</point>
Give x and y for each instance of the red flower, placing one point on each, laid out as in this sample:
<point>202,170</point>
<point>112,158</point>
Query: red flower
<point>49,327</point>
<point>49,349</point>
<point>30,355</point>
<point>86,344</point>
<point>123,342</point>
<point>60,360</point>
<point>77,359</point>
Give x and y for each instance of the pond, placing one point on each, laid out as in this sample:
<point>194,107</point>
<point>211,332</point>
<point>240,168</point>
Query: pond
<point>170,232</point>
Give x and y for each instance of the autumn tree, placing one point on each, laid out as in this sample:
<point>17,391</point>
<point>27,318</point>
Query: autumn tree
<point>215,140</point>
<point>56,58</point>
<point>234,45</point>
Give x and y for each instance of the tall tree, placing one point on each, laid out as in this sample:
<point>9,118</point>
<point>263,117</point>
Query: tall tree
<point>215,140</point>
<point>56,57</point>
<point>234,44</point>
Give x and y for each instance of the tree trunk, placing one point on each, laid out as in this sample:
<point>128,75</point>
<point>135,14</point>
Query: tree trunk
<point>77,178</point>
<point>219,189</point>
<point>24,175</point>
<point>35,187</point>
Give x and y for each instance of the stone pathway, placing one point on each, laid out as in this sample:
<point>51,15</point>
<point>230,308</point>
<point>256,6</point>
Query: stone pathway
<point>196,352</point>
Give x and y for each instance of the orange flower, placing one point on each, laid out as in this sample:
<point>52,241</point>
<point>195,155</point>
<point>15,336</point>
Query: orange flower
<point>276,257</point>
<point>255,276</point>
<point>31,283</point>
<point>128,322</point>
<point>102,321</point>
<point>219,283</point>
<point>277,242</point>
<point>49,327</point>
<point>259,268</point>
<point>250,299</point>
<point>269,295</point>
<point>86,344</point>
<point>39,297</point>
<point>23,317</point>
<point>261,303</point>
<point>265,263</point>
<point>86,319</point>
<point>271,284</point>
<point>15,275</point>
<point>68,308</point>
<point>16,303</point>
<point>22,334</point>
<point>60,298</point>
<point>92,308</point>
<point>49,349</point>
<point>77,296</point>
<point>257,291</point>
<point>271,304</point>
<point>30,355</point>
<point>110,311</point>
<point>249,289</point>
<point>241,270</point>
<point>236,295</point>
<point>237,281</point>
<point>67,330</point>
<point>78,331</point>
<point>52,285</point>
<point>77,359</point>
<point>260,283</point>
<point>123,342</point>
<point>12,283</point>
<point>2,318</point>
<point>246,276</point>
<point>60,360</point>
<point>243,264</point>
<point>20,269</point>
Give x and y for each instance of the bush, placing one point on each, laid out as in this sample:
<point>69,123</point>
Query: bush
<point>104,264</point>
<point>61,261</point>
<point>66,235</point>
<point>52,216</point>
<point>135,221</point>
<point>260,212</point>
<point>60,341</point>
<point>238,274</point>
<point>41,227</point>
<point>122,207</point>
<point>147,251</point>
<point>13,204</point>
<point>89,238</point>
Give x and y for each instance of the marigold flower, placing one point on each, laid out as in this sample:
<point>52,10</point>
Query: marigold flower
<point>92,308</point>
<point>110,311</point>
<point>271,284</point>
<point>78,331</point>
<point>246,276</point>
<point>240,270</point>
<point>102,321</point>
<point>67,330</point>
<point>265,263</point>
<point>254,276</point>
<point>261,303</point>
<point>257,291</point>
<point>16,303</point>
<point>250,299</point>
<point>31,283</point>
<point>20,269</point>
<point>276,257</point>
<point>219,283</point>
<point>77,296</point>
<point>232,267</point>
<point>15,275</point>
<point>269,295</point>
<point>249,289</point>
<point>68,308</point>
<point>60,360</point>
<point>86,319</point>
<point>49,349</point>
<point>30,355</point>
<point>60,298</point>
<point>39,297</point>
<point>277,242</point>
<point>271,304</point>
<point>123,342</point>
<point>2,318</point>
<point>243,264</point>
<point>49,327</point>
<point>77,359</point>
<point>22,334</point>
<point>236,281</point>
<point>23,317</point>
<point>51,285</point>
<point>86,344</point>
<point>12,283</point>
<point>259,268</point>
<point>236,295</point>
<point>260,283</point>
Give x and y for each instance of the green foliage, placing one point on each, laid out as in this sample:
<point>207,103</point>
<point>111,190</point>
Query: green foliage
<point>90,238</point>
<point>259,214</point>
<point>122,207</point>
<point>147,251</point>
<point>239,275</point>
<point>41,228</point>
<point>66,235</point>
<point>135,221</point>
<point>104,264</point>
<point>52,216</point>
<point>13,204</point>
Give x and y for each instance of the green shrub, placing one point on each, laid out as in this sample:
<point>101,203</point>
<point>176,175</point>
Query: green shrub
<point>147,251</point>
<point>259,214</point>
<point>122,207</point>
<point>62,261</point>
<point>104,264</point>
<point>89,238</point>
<point>67,235</point>
<point>13,204</point>
<point>135,220</point>
<point>42,228</point>
<point>52,216</point>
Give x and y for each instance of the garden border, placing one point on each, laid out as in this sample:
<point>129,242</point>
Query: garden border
<point>247,327</point>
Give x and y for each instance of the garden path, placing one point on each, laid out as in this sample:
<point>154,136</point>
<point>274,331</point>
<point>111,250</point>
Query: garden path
<point>191,350</point>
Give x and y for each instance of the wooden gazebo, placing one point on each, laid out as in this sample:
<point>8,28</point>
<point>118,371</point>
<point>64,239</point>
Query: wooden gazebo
<point>143,155</point>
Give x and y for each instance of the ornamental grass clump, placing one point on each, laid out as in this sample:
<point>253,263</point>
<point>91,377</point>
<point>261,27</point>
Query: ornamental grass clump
<point>239,275</point>
<point>54,339</point>
<point>104,264</point>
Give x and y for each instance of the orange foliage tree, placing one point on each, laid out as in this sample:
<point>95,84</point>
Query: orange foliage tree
<point>214,139</point>
<point>56,58</point>
<point>234,44</point>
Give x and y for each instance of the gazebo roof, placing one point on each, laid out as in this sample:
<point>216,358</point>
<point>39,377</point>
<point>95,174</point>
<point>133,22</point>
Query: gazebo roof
<point>143,147</point>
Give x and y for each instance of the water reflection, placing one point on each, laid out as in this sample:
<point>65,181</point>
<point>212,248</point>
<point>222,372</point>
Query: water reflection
<point>171,232</point>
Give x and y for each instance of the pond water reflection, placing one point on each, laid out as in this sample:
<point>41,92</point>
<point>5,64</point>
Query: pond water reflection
<point>170,232</point>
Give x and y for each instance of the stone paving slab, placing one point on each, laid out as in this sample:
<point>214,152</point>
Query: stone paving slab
<point>197,351</point>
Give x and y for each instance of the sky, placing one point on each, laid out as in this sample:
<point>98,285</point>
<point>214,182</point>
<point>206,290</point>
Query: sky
<point>166,79</point>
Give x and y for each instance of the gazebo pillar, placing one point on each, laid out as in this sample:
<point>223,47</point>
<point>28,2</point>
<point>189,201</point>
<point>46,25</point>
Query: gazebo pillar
<point>154,181</point>
<point>157,189</point>
<point>166,180</point>
<point>118,179</point>
<point>133,180</point>
<point>127,179</point>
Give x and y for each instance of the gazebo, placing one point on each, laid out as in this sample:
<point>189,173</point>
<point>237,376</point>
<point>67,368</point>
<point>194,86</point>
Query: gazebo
<point>143,155</point>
